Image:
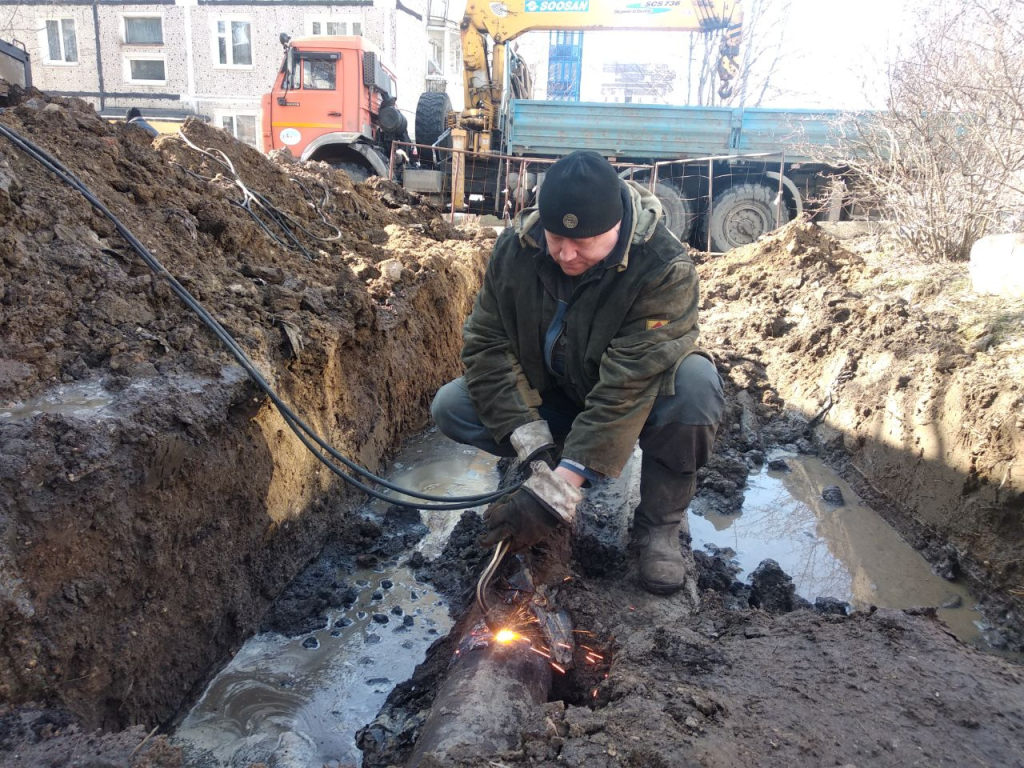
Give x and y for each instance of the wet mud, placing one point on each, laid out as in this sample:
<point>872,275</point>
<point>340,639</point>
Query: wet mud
<point>762,675</point>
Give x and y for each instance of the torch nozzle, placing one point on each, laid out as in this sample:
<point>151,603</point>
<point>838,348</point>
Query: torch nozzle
<point>485,582</point>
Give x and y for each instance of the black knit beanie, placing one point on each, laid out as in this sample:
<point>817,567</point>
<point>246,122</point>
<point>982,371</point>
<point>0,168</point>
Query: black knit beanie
<point>581,196</point>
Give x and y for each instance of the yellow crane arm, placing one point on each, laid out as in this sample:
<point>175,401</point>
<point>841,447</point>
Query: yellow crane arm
<point>503,22</point>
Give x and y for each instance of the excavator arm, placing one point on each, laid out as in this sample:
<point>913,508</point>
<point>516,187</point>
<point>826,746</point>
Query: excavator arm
<point>502,22</point>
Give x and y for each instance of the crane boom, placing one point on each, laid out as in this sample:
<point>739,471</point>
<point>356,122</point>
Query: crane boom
<point>502,22</point>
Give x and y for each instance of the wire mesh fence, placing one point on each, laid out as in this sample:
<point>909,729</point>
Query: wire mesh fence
<point>713,203</point>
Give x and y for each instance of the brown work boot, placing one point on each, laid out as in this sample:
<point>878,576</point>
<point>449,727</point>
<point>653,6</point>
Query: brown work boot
<point>657,523</point>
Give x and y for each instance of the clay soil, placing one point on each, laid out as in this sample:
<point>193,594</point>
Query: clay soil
<point>142,542</point>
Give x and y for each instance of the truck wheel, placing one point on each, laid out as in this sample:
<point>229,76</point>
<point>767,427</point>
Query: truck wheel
<point>678,213</point>
<point>355,171</point>
<point>431,116</point>
<point>741,214</point>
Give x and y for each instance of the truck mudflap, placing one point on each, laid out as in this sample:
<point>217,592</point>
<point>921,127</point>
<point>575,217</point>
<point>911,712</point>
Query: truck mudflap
<point>423,182</point>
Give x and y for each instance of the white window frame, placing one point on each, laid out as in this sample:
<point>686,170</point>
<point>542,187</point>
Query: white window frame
<point>130,57</point>
<point>227,18</point>
<point>44,42</point>
<point>142,15</point>
<point>323,20</point>
<point>234,114</point>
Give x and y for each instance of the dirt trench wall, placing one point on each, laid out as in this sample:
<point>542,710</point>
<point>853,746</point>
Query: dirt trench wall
<point>142,538</point>
<point>931,420</point>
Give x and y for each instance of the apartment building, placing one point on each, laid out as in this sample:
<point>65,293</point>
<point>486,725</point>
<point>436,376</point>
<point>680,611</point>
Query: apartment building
<point>213,58</point>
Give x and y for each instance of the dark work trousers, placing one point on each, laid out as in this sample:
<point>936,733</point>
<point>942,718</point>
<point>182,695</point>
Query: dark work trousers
<point>679,433</point>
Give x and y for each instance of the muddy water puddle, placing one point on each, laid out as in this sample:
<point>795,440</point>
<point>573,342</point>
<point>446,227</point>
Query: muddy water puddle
<point>84,400</point>
<point>297,702</point>
<point>848,552</point>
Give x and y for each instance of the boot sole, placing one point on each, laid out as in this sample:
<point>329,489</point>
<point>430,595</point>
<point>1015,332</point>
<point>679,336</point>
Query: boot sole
<point>661,589</point>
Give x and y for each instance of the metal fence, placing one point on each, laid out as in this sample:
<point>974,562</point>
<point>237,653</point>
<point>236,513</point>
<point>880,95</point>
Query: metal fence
<point>503,185</point>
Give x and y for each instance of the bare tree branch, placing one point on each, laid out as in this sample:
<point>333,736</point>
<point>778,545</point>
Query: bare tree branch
<point>945,161</point>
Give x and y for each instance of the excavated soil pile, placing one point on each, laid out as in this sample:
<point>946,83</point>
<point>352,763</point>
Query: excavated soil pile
<point>917,385</point>
<point>152,503</point>
<point>72,287</point>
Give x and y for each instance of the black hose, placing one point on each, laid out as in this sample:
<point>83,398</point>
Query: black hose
<point>302,430</point>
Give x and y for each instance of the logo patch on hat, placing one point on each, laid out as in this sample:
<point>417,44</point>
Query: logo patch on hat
<point>652,324</point>
<point>570,220</point>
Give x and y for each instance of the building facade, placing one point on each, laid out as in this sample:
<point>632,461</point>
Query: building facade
<point>209,58</point>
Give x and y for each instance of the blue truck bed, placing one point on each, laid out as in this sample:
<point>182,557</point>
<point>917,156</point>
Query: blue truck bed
<point>661,132</point>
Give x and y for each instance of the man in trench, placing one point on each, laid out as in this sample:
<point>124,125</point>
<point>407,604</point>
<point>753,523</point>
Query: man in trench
<point>585,330</point>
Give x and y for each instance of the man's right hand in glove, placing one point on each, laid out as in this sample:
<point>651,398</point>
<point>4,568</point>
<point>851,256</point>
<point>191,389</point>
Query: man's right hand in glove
<point>530,514</point>
<point>519,517</point>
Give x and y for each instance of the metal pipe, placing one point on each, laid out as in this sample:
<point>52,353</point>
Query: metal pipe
<point>488,696</point>
<point>711,205</point>
<point>456,158</point>
<point>521,185</point>
<point>778,200</point>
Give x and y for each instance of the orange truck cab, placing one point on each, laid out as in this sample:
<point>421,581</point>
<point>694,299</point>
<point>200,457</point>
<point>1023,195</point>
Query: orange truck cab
<point>334,100</point>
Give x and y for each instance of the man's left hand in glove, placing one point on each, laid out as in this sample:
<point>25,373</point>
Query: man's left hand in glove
<point>530,514</point>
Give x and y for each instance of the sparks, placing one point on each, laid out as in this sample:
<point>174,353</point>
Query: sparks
<point>564,645</point>
<point>557,667</point>
<point>540,652</point>
<point>506,636</point>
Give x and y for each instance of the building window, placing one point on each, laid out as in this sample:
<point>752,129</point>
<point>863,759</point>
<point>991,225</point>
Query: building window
<point>322,26</point>
<point>143,30</point>
<point>61,42</point>
<point>233,43</point>
<point>145,70</point>
<point>242,127</point>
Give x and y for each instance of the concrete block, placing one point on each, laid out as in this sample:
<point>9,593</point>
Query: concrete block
<point>997,265</point>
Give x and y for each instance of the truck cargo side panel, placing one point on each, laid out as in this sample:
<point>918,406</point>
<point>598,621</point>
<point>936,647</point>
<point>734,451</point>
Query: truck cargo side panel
<point>629,131</point>
<point>785,130</point>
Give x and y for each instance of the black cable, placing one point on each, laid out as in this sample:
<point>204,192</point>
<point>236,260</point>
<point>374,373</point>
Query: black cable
<point>294,422</point>
<point>291,418</point>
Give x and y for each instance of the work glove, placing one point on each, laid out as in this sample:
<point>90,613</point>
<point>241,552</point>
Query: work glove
<point>531,513</point>
<point>533,441</point>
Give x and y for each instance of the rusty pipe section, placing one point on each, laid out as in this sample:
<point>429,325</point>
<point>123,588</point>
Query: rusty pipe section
<point>491,692</point>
